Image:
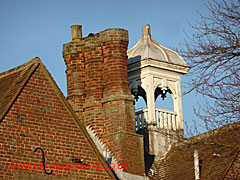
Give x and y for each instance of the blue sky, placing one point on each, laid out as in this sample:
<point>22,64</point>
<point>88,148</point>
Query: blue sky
<point>33,28</point>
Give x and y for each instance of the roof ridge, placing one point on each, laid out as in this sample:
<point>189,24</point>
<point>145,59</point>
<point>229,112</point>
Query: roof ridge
<point>214,131</point>
<point>206,135</point>
<point>35,60</point>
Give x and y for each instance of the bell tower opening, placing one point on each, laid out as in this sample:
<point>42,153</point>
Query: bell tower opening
<point>140,103</point>
<point>163,101</point>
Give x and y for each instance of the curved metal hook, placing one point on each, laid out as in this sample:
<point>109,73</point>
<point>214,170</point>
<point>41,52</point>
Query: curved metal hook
<point>43,160</point>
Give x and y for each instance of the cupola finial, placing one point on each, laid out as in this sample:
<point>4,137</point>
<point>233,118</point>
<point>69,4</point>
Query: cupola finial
<point>146,30</point>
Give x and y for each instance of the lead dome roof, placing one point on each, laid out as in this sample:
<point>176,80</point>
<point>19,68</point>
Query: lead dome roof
<point>148,48</point>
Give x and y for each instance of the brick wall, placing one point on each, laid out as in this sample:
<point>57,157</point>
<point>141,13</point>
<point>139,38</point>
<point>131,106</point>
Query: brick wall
<point>99,92</point>
<point>39,118</point>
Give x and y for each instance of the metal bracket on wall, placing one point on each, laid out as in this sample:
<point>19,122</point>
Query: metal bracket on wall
<point>43,160</point>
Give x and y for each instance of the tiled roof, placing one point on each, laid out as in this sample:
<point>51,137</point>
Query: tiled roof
<point>217,150</point>
<point>12,82</point>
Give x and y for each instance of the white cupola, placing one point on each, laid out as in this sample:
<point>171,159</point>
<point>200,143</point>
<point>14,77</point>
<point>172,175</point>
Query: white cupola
<point>154,70</point>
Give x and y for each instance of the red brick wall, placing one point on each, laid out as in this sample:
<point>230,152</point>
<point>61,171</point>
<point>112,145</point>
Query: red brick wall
<point>108,106</point>
<point>38,118</point>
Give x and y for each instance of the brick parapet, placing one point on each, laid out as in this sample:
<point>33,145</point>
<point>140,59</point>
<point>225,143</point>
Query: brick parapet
<point>95,40</point>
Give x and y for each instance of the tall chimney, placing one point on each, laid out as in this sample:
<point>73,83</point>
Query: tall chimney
<point>75,62</point>
<point>99,93</point>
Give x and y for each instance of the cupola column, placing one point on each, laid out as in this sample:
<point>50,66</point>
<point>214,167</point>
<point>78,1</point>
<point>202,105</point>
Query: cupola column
<point>178,106</point>
<point>150,101</point>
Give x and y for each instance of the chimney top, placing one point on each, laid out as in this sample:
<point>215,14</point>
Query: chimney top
<point>76,32</point>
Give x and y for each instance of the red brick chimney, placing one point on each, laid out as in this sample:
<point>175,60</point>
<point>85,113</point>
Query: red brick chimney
<point>75,72</point>
<point>98,90</point>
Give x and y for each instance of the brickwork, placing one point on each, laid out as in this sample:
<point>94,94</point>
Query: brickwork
<point>34,113</point>
<point>39,118</point>
<point>101,97</point>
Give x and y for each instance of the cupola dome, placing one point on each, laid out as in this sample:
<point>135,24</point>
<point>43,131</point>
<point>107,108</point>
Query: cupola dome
<point>148,48</point>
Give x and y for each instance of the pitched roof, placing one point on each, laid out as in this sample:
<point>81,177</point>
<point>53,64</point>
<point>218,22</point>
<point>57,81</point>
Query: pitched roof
<point>217,150</point>
<point>13,81</point>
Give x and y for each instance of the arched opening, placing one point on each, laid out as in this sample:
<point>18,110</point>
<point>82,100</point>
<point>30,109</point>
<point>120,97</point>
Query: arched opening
<point>140,104</point>
<point>139,95</point>
<point>163,100</point>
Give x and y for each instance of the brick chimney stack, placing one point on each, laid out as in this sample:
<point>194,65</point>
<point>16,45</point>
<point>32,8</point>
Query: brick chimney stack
<point>98,90</point>
<point>75,71</point>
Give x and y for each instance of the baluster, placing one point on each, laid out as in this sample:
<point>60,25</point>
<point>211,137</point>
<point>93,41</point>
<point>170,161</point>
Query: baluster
<point>161,119</point>
<point>165,120</point>
<point>142,119</point>
<point>177,124</point>
<point>174,121</point>
<point>169,121</point>
<point>157,120</point>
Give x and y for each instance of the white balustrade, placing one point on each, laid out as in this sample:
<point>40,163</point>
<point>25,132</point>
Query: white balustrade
<point>141,117</point>
<point>165,119</point>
